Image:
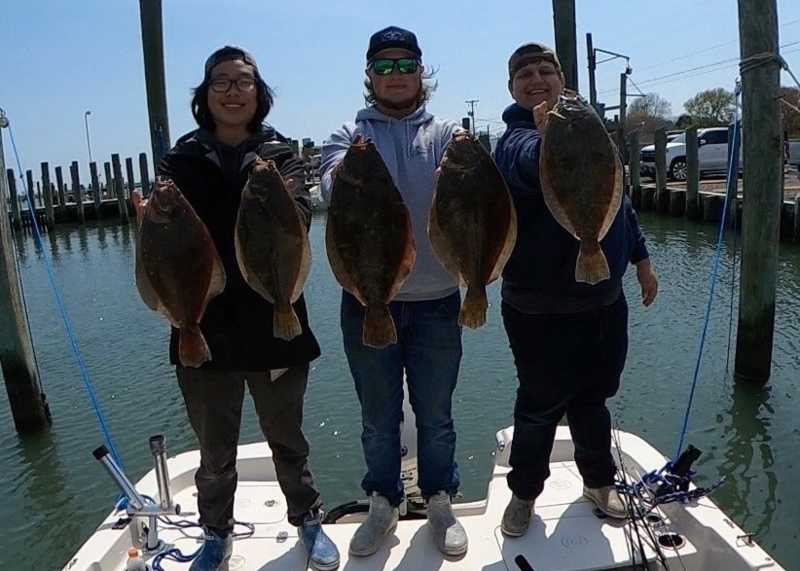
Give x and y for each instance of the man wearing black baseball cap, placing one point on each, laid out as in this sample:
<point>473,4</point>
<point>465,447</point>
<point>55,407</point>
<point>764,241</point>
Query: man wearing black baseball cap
<point>550,318</point>
<point>411,142</point>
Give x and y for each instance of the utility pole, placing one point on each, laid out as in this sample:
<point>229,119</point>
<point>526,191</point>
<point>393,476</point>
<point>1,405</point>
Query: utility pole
<point>590,55</point>
<point>623,114</point>
<point>16,348</point>
<point>763,161</point>
<point>566,42</point>
<point>471,112</point>
<point>153,47</point>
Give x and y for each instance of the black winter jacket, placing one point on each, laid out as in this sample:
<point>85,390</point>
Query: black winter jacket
<point>237,323</point>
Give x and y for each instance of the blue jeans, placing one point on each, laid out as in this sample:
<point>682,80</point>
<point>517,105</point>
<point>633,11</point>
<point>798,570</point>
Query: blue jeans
<point>566,363</point>
<point>429,349</point>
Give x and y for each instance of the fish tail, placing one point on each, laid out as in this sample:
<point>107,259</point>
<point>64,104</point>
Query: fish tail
<point>192,347</point>
<point>473,309</point>
<point>285,324</point>
<point>379,330</point>
<point>592,266</point>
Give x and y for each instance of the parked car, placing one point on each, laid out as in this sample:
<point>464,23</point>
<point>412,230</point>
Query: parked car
<point>712,154</point>
<point>794,152</point>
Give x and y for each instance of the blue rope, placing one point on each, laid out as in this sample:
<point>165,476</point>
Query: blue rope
<point>175,554</point>
<point>109,441</point>
<point>714,273</point>
<point>665,487</point>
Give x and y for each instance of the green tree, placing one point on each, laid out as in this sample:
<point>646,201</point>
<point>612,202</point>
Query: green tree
<point>791,117</point>
<point>711,108</point>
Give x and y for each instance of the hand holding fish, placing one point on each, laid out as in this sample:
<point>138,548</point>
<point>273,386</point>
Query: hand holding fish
<point>648,280</point>
<point>139,202</point>
<point>540,115</point>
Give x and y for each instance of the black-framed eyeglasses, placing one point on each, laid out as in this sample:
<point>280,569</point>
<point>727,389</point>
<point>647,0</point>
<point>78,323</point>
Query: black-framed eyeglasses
<point>223,84</point>
<point>385,66</point>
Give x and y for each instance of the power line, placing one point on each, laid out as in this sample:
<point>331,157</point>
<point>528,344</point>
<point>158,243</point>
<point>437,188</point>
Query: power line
<point>704,50</point>
<point>717,65</point>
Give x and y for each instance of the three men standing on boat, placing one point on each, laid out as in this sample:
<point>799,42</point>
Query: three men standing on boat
<point>569,345</point>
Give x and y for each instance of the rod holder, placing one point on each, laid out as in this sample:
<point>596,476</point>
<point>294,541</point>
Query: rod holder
<point>135,500</point>
<point>162,473</point>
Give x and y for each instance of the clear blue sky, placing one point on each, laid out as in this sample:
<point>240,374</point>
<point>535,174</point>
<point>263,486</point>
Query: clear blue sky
<point>60,58</point>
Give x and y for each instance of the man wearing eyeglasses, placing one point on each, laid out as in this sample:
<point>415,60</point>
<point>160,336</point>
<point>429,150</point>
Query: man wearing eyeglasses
<point>411,142</point>
<point>569,339</point>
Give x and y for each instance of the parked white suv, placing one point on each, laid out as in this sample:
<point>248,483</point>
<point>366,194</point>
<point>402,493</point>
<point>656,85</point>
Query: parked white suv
<point>712,153</point>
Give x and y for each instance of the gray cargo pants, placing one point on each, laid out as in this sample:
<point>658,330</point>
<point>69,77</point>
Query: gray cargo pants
<point>214,406</point>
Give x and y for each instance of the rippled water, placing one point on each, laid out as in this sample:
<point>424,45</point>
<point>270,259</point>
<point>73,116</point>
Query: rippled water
<point>56,493</point>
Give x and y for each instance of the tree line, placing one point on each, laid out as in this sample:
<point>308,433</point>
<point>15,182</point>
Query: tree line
<point>709,108</point>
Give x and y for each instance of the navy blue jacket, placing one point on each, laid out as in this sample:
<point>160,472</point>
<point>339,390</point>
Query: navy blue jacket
<point>545,253</point>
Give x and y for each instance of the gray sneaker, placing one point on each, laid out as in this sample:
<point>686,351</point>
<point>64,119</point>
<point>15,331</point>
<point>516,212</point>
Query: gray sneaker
<point>607,501</point>
<point>517,517</point>
<point>381,521</point>
<point>448,534</point>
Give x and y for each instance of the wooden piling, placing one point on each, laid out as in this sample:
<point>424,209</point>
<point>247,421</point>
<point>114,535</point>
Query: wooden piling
<point>634,168</point>
<point>109,180</point>
<point>131,179</point>
<point>761,123</point>
<point>50,220</point>
<point>677,203</point>
<point>692,175</point>
<point>648,198</point>
<point>31,197</point>
<point>796,229</point>
<point>144,174</point>
<point>712,207</point>
<point>155,81</point>
<point>62,196</point>
<point>662,198</point>
<point>566,42</point>
<point>77,192</point>
<point>119,185</point>
<point>16,220</point>
<point>98,198</point>
<point>16,349</point>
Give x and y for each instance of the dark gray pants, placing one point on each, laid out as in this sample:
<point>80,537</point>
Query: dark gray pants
<point>214,405</point>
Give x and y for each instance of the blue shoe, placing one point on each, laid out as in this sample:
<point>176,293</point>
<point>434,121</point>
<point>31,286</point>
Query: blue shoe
<point>322,553</point>
<point>214,554</point>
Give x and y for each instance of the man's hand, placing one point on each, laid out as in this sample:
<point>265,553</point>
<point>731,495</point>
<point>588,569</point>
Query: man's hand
<point>648,280</point>
<point>138,204</point>
<point>540,115</point>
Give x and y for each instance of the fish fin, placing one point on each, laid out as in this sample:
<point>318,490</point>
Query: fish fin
<point>143,284</point>
<point>338,267</point>
<point>218,277</point>
<point>511,241</point>
<point>285,324</point>
<point>192,347</point>
<point>407,263</point>
<point>591,266</point>
<point>473,309</point>
<point>551,198</point>
<point>305,263</point>
<point>441,246</point>
<point>616,199</point>
<point>379,330</point>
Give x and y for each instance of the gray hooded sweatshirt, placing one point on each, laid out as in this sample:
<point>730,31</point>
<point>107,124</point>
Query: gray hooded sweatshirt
<point>412,148</point>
